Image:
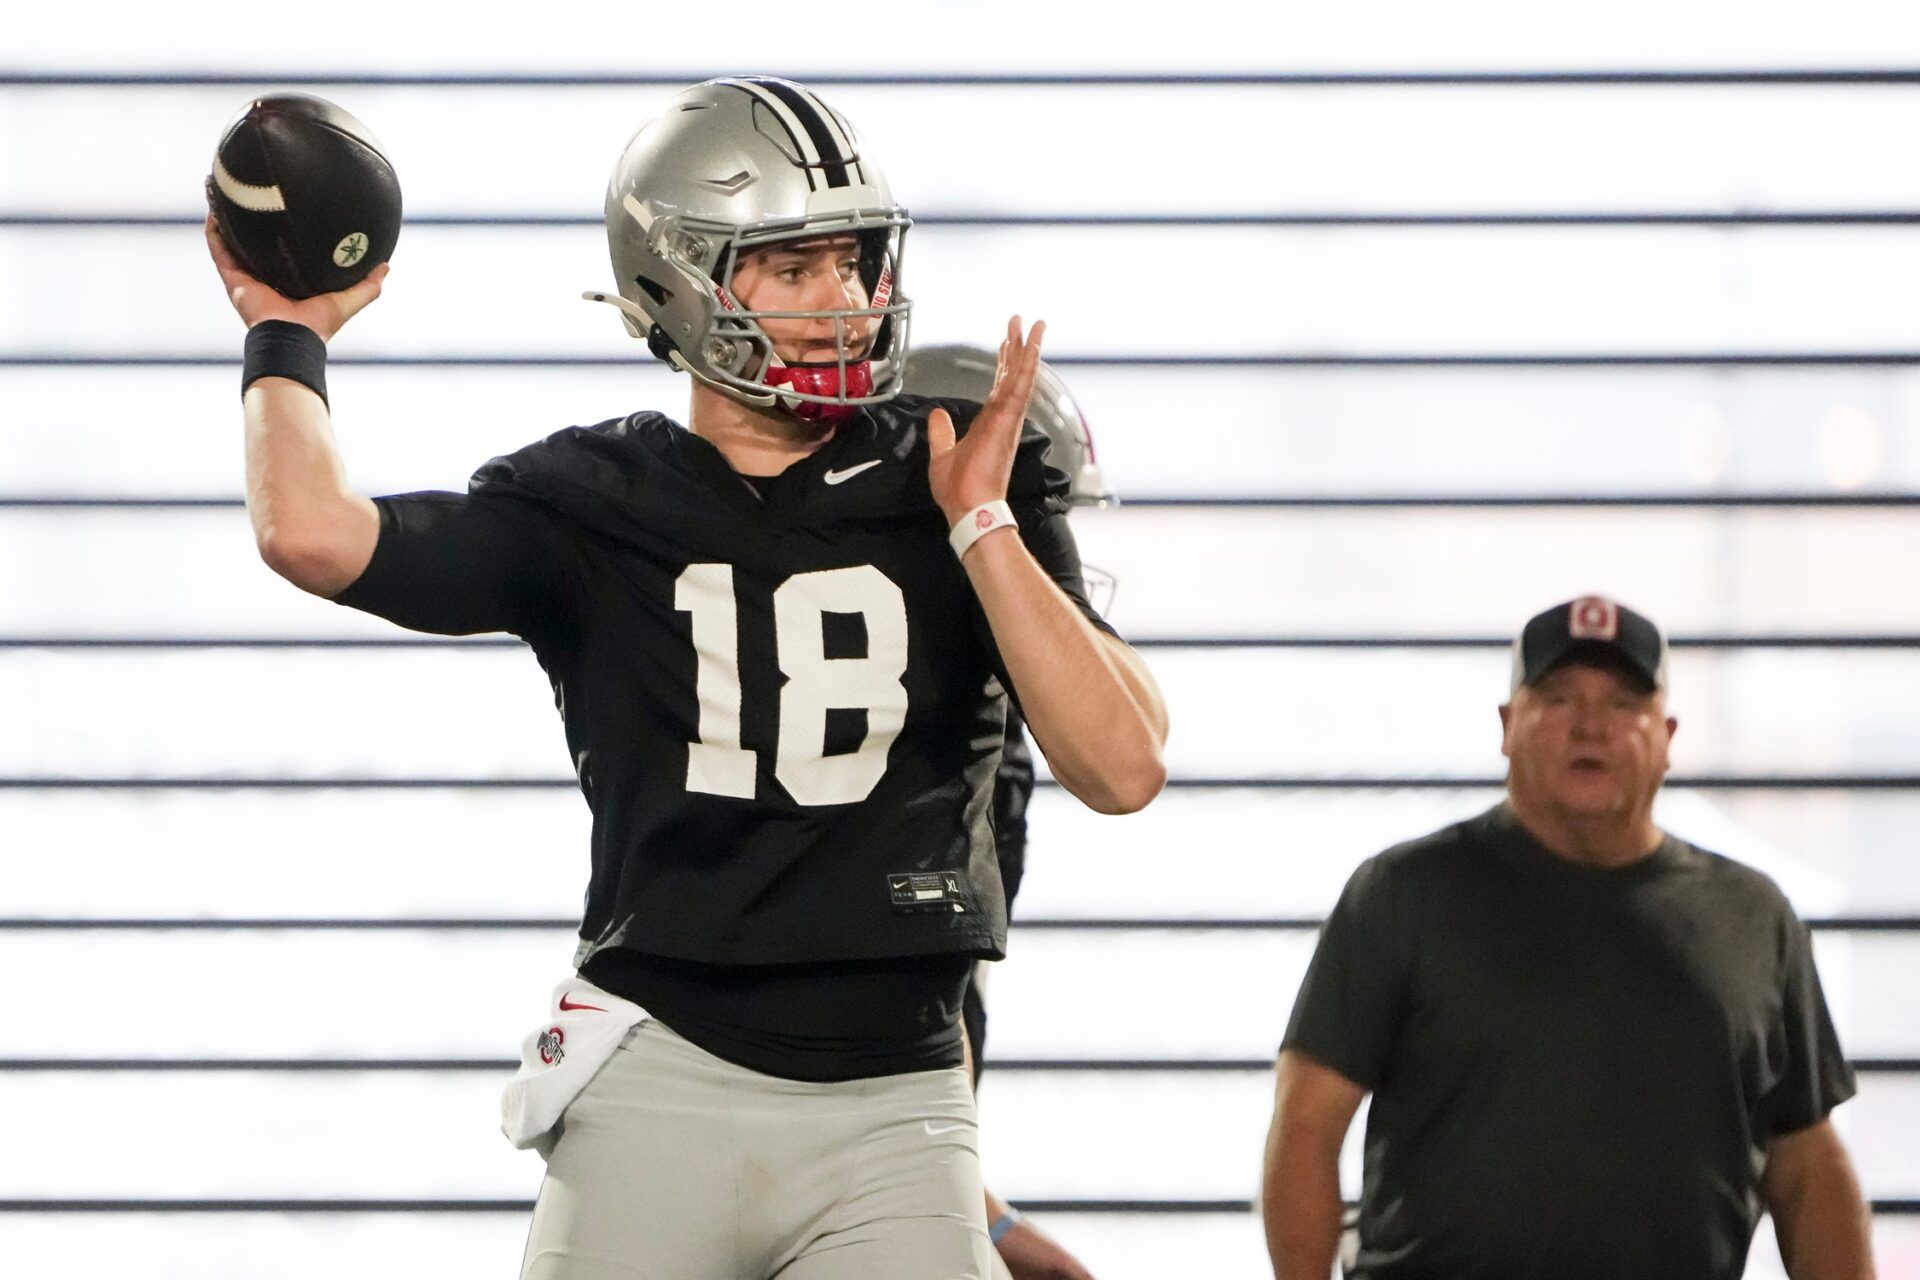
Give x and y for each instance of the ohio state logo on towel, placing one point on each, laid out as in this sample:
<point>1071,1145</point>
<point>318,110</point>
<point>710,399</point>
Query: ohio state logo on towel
<point>1594,618</point>
<point>550,1041</point>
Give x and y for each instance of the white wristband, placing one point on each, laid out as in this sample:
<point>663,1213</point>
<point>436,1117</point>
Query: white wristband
<point>978,523</point>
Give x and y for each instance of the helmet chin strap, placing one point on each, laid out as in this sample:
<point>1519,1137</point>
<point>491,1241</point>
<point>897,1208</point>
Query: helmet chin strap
<point>638,322</point>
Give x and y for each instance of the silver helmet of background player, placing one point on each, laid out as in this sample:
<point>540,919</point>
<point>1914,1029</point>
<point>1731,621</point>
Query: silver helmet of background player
<point>967,372</point>
<point>734,165</point>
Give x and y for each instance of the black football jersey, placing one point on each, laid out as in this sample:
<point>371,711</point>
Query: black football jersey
<point>783,704</point>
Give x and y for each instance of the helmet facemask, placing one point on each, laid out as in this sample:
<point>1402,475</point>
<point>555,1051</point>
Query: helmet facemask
<point>721,342</point>
<point>864,369</point>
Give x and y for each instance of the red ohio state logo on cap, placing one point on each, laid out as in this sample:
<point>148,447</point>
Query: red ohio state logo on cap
<point>1594,618</point>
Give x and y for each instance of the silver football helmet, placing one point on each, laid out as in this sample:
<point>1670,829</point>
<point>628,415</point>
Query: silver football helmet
<point>735,165</point>
<point>967,372</point>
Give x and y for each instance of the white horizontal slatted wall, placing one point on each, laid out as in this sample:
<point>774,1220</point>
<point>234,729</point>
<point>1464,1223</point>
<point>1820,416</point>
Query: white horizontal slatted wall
<point>233,713</point>
<point>1246,431</point>
<point>1220,292</point>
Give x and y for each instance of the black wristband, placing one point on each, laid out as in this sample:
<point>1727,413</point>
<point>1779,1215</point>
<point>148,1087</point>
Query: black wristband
<point>283,349</point>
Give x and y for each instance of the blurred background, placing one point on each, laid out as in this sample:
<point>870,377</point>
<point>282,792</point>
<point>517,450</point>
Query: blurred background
<point>1394,325</point>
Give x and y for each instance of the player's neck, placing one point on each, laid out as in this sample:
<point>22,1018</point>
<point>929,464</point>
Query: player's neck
<point>1591,840</point>
<point>754,441</point>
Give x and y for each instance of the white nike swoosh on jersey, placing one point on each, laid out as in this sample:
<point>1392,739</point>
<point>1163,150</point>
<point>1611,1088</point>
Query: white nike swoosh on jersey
<point>835,477</point>
<point>945,1128</point>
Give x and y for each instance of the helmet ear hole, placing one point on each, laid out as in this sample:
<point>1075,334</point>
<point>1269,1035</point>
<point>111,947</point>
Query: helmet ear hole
<point>658,292</point>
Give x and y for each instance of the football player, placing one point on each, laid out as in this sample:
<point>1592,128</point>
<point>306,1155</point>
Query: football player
<point>1025,1251</point>
<point>782,640</point>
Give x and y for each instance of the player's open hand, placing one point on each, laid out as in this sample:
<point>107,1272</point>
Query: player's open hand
<point>975,470</point>
<point>324,313</point>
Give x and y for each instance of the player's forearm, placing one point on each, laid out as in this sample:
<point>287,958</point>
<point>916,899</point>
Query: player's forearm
<point>1030,1253</point>
<point>1132,670</point>
<point>1097,715</point>
<point>310,527</point>
<point>1300,1205</point>
<point>1823,1226</point>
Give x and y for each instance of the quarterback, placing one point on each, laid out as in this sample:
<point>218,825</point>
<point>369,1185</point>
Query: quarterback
<point>783,639</point>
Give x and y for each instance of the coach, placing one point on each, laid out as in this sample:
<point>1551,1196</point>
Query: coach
<point>1594,1050</point>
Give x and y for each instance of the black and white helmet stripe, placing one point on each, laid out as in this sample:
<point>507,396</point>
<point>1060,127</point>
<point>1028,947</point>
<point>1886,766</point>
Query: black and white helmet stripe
<point>820,137</point>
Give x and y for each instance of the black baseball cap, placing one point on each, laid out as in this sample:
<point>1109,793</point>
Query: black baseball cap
<point>1592,628</point>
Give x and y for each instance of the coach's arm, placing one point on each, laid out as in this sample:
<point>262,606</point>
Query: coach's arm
<point>311,528</point>
<point>1819,1216</point>
<point>1300,1185</point>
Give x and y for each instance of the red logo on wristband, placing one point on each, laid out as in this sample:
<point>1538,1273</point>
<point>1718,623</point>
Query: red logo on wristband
<point>982,518</point>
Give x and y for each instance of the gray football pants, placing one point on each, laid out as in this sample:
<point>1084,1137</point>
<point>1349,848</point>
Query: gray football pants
<point>673,1164</point>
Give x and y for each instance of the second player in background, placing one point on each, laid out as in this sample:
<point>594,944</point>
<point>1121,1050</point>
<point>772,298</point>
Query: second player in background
<point>1022,1250</point>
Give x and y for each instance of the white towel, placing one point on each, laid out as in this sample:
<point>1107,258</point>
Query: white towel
<point>584,1025</point>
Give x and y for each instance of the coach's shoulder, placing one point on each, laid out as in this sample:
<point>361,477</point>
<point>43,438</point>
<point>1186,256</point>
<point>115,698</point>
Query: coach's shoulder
<point>1395,873</point>
<point>1434,853</point>
<point>1740,887</point>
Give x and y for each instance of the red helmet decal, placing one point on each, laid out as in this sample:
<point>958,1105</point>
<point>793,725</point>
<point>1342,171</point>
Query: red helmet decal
<point>1086,430</point>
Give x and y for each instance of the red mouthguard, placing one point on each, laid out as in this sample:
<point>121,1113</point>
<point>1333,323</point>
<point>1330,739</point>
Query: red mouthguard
<point>823,380</point>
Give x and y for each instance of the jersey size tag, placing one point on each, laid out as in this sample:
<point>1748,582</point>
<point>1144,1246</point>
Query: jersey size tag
<point>915,892</point>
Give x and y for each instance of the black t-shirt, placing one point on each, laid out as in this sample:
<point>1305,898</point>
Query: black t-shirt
<point>785,711</point>
<point>1575,1072</point>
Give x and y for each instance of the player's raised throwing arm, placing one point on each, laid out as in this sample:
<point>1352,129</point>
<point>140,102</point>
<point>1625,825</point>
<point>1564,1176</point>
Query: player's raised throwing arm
<point>1091,703</point>
<point>310,527</point>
